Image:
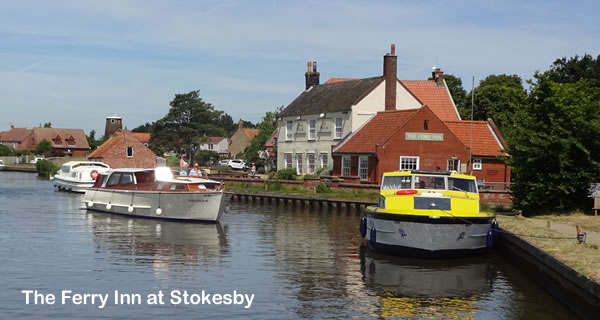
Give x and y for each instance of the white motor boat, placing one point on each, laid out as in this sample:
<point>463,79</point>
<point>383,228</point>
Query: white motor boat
<point>77,176</point>
<point>155,193</point>
<point>2,166</point>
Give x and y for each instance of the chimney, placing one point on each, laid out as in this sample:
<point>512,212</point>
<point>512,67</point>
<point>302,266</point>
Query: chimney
<point>240,124</point>
<point>390,65</point>
<point>438,76</point>
<point>311,75</point>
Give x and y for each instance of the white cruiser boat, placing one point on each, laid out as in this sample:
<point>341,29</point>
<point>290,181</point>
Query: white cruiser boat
<point>155,193</point>
<point>77,176</point>
<point>2,166</point>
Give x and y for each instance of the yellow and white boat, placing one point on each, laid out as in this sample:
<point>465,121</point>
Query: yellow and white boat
<point>429,214</point>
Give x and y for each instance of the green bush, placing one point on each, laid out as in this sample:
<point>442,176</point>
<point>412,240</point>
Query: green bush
<point>222,169</point>
<point>323,188</point>
<point>260,170</point>
<point>6,150</point>
<point>275,186</point>
<point>286,174</point>
<point>46,168</point>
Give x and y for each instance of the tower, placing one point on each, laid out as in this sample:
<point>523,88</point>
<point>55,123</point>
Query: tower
<point>113,123</point>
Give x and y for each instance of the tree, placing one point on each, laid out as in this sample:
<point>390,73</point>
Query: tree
<point>555,145</point>
<point>48,125</point>
<point>576,68</point>
<point>6,151</point>
<point>186,126</point>
<point>497,97</point>
<point>43,148</point>
<point>144,128</point>
<point>257,146</point>
<point>91,138</point>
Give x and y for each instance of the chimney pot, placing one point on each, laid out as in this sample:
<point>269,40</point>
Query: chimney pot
<point>314,66</point>
<point>308,66</point>
<point>312,76</point>
<point>393,50</point>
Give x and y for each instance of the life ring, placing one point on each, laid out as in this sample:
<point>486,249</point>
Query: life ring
<point>94,174</point>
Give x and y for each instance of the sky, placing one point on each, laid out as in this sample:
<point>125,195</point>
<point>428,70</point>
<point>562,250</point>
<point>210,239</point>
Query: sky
<point>73,63</point>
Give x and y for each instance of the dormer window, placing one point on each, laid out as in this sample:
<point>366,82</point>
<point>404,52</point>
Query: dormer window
<point>71,141</point>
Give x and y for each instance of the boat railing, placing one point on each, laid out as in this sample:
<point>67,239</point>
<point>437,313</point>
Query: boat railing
<point>493,186</point>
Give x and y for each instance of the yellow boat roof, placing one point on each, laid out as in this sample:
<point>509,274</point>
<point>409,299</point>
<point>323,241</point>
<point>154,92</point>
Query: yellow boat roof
<point>428,173</point>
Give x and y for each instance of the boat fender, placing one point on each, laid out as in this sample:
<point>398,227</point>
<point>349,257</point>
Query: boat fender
<point>90,204</point>
<point>130,209</point>
<point>94,174</point>
<point>491,235</point>
<point>373,236</point>
<point>159,211</point>
<point>363,226</point>
<point>108,206</point>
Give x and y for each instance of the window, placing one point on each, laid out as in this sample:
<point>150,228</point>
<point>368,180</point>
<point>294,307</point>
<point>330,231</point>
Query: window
<point>299,163</point>
<point>409,163</point>
<point>457,184</point>
<point>345,166</point>
<point>210,146</point>
<point>289,135</point>
<point>396,182</point>
<point>338,128</point>
<point>288,160</point>
<point>476,164</point>
<point>113,180</point>
<point>324,160</point>
<point>310,158</point>
<point>453,165</point>
<point>363,168</point>
<point>126,178</point>
<point>129,152</point>
<point>312,129</point>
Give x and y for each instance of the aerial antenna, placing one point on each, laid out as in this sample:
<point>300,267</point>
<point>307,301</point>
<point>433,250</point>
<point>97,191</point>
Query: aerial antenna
<point>471,129</point>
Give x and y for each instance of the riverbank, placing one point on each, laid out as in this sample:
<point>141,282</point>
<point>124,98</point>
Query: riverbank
<point>558,239</point>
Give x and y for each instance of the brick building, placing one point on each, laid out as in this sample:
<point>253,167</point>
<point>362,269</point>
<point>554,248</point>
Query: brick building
<point>124,150</point>
<point>63,141</point>
<point>419,139</point>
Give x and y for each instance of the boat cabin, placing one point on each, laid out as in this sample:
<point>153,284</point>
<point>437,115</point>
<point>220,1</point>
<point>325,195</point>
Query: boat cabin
<point>423,180</point>
<point>159,179</point>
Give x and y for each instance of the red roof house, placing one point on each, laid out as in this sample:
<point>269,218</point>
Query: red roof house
<point>124,150</point>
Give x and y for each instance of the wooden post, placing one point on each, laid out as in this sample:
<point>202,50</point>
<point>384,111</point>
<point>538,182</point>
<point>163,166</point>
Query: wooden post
<point>548,224</point>
<point>579,234</point>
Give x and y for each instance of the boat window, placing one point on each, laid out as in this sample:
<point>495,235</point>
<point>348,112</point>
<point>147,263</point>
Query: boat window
<point>144,176</point>
<point>396,182</point>
<point>65,169</point>
<point>126,178</point>
<point>458,184</point>
<point>177,186</point>
<point>113,180</point>
<point>429,182</point>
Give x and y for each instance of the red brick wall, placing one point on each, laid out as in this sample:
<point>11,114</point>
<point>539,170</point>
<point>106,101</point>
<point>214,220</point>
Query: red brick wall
<point>116,156</point>
<point>492,170</point>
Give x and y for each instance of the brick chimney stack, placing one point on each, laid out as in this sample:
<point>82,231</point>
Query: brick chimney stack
<point>390,66</point>
<point>240,124</point>
<point>438,75</point>
<point>311,75</point>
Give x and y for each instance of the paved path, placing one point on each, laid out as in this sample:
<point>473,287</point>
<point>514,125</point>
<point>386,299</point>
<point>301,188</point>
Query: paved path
<point>568,230</point>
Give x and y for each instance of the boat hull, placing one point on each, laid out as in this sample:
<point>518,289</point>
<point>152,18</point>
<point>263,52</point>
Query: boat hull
<point>194,206</point>
<point>427,236</point>
<point>71,185</point>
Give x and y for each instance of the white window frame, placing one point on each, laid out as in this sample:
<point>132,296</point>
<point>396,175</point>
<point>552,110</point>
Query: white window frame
<point>409,158</point>
<point>289,133</point>
<point>477,164</point>
<point>323,164</point>
<point>127,152</point>
<point>310,170</point>
<point>299,163</point>
<point>346,170</point>
<point>363,171</point>
<point>288,156</point>
<point>457,169</point>
<point>312,129</point>
<point>210,146</point>
<point>340,126</point>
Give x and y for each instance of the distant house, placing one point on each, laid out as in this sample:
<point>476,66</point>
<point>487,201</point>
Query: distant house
<point>271,151</point>
<point>219,145</point>
<point>124,150</point>
<point>63,141</point>
<point>417,139</point>
<point>324,114</point>
<point>241,139</point>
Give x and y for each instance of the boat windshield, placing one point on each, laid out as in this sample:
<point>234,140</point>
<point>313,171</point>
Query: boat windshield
<point>458,184</point>
<point>430,182</point>
<point>396,182</point>
<point>66,168</point>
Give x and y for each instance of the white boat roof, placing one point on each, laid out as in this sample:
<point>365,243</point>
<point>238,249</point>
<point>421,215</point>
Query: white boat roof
<point>185,179</point>
<point>91,163</point>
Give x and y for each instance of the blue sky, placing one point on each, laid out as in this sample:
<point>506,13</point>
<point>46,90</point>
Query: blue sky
<point>75,62</point>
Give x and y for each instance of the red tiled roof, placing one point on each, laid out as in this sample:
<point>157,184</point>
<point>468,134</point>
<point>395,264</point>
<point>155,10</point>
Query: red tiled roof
<point>116,138</point>
<point>14,135</point>
<point>50,134</point>
<point>376,131</point>
<point>250,133</point>
<point>485,141</point>
<point>434,96</point>
<point>141,136</point>
<point>271,142</point>
<point>334,80</point>
<point>215,140</point>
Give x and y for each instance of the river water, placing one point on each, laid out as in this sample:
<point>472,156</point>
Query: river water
<point>297,262</point>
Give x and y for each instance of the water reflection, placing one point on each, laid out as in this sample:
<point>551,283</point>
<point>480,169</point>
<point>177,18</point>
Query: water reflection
<point>172,248</point>
<point>427,288</point>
